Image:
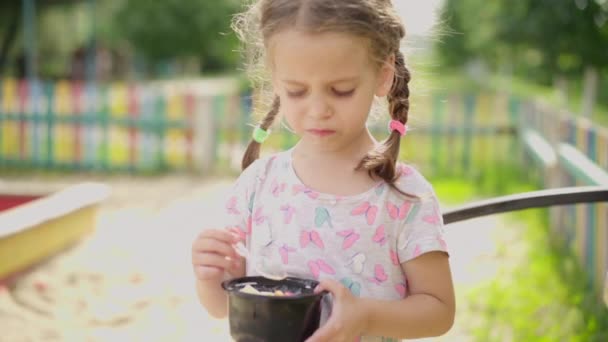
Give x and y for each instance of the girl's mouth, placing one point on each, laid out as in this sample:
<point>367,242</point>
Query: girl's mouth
<point>321,132</point>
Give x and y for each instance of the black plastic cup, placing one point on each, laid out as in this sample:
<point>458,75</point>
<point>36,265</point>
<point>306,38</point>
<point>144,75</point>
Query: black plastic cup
<point>260,318</point>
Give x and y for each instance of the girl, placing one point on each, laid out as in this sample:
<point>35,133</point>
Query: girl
<point>337,207</point>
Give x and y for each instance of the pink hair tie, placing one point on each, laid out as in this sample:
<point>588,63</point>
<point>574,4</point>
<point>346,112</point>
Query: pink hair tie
<point>395,125</point>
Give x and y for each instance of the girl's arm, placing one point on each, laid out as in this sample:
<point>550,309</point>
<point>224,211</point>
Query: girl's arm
<point>213,297</point>
<point>429,308</point>
<point>213,260</point>
<point>213,256</point>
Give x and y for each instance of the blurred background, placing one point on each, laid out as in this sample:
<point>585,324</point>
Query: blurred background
<point>123,122</point>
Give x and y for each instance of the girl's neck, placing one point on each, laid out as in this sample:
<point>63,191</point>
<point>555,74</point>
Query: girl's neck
<point>333,172</point>
<point>352,153</point>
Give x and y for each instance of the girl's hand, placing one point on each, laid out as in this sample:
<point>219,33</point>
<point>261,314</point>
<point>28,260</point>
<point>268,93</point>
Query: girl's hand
<point>347,321</point>
<point>213,255</point>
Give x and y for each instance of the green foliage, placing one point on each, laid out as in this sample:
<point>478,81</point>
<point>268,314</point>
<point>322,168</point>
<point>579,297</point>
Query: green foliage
<point>453,49</point>
<point>453,191</point>
<point>161,30</point>
<point>537,37</point>
<point>543,296</point>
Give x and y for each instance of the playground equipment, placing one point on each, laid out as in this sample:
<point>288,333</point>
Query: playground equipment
<point>34,227</point>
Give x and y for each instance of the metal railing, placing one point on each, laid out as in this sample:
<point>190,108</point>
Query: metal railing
<point>534,199</point>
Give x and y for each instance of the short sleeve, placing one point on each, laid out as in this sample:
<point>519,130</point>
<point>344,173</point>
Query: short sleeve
<point>422,231</point>
<point>238,203</point>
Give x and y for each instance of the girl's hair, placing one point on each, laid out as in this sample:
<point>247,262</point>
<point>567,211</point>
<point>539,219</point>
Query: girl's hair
<point>375,20</point>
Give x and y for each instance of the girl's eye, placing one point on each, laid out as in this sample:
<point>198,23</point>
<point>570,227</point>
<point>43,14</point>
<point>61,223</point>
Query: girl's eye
<point>343,93</point>
<point>295,94</point>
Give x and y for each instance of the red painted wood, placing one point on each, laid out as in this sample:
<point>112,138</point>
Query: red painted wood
<point>10,201</point>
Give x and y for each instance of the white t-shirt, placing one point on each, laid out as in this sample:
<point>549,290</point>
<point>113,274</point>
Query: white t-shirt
<point>360,240</point>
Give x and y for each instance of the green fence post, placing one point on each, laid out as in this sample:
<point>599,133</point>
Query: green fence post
<point>513,109</point>
<point>104,123</point>
<point>571,138</point>
<point>218,108</point>
<point>469,112</point>
<point>435,133</point>
<point>591,212</point>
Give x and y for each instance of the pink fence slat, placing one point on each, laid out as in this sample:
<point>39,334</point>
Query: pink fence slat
<point>133,107</point>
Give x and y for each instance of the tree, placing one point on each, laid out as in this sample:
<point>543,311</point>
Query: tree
<point>452,46</point>
<point>548,37</point>
<point>11,27</point>
<point>168,29</point>
<point>10,16</point>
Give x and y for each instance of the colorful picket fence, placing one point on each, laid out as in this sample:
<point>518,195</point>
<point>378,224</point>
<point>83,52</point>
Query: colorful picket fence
<point>135,127</point>
<point>129,127</point>
<point>449,133</point>
<point>580,157</point>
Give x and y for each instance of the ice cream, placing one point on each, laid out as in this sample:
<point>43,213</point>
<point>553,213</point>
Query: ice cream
<point>252,290</point>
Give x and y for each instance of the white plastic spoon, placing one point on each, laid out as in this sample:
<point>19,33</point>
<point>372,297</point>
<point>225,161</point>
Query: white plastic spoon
<point>244,252</point>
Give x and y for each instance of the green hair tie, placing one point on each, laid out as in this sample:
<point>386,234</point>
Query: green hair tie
<point>260,135</point>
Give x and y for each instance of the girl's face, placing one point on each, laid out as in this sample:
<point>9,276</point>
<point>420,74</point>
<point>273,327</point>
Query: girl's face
<point>326,83</point>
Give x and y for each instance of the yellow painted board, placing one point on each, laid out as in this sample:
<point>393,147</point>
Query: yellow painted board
<point>26,248</point>
<point>32,232</point>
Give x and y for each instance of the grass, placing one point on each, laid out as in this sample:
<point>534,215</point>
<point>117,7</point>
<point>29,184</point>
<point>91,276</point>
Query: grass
<point>497,178</point>
<point>453,191</point>
<point>542,296</point>
<point>540,293</point>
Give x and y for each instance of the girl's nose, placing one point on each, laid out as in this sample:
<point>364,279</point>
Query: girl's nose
<point>320,109</point>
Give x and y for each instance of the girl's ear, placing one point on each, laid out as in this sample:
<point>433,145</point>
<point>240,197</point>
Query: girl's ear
<point>386,77</point>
